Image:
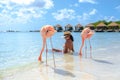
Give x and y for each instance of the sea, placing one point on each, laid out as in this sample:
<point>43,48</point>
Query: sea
<point>18,49</point>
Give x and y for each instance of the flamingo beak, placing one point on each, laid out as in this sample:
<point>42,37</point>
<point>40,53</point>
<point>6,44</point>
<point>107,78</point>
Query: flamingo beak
<point>55,31</point>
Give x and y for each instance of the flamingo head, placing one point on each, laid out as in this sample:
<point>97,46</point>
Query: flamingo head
<point>47,31</point>
<point>87,33</point>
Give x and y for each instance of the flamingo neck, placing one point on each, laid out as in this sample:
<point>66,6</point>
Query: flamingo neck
<point>43,45</point>
<point>83,40</point>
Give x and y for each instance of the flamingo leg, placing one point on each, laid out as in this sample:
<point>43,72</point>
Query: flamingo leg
<point>40,57</point>
<point>81,46</point>
<point>46,53</point>
<point>90,49</point>
<point>85,49</point>
<point>52,52</point>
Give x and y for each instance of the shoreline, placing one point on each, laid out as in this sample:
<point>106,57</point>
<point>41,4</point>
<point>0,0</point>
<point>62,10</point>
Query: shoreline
<point>70,67</point>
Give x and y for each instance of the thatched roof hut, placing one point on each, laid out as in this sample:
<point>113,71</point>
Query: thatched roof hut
<point>113,25</point>
<point>59,28</point>
<point>101,27</point>
<point>68,27</point>
<point>78,28</point>
<point>91,26</point>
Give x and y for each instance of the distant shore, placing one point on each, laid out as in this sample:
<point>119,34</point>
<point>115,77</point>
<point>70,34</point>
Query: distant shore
<point>63,31</point>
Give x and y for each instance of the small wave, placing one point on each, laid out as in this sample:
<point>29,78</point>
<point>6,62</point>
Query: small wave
<point>101,49</point>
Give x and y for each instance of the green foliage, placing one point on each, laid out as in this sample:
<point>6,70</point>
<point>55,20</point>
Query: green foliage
<point>105,22</point>
<point>118,22</point>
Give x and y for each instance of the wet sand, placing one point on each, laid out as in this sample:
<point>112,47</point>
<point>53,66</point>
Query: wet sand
<point>68,67</point>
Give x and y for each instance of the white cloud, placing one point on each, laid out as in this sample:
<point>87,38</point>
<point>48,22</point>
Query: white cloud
<point>21,2</point>
<point>86,16</point>
<point>93,12</point>
<point>23,10</point>
<point>70,14</point>
<point>45,4</point>
<point>74,5</point>
<point>88,1</point>
<point>49,4</point>
<point>118,7</point>
<point>110,18</point>
<point>64,14</point>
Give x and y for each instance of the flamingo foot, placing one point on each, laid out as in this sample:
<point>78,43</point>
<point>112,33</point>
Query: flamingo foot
<point>80,54</point>
<point>40,58</point>
<point>90,56</point>
<point>47,65</point>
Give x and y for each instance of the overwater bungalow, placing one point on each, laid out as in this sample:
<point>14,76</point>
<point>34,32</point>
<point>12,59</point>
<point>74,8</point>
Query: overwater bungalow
<point>10,31</point>
<point>34,31</point>
<point>101,27</point>
<point>58,28</point>
<point>91,26</point>
<point>69,27</point>
<point>119,28</point>
<point>78,28</point>
<point>112,27</point>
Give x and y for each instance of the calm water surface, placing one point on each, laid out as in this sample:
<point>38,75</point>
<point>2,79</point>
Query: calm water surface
<point>21,48</point>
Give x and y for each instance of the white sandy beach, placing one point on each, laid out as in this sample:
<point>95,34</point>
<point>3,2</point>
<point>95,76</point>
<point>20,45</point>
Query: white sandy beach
<point>70,67</point>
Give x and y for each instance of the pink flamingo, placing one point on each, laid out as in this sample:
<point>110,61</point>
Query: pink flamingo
<point>86,34</point>
<point>46,32</point>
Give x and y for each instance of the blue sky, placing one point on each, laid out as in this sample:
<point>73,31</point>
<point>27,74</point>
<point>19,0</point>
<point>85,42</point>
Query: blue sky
<point>33,14</point>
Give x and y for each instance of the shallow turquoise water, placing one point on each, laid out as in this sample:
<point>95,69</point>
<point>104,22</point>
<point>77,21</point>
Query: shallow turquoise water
<point>22,48</point>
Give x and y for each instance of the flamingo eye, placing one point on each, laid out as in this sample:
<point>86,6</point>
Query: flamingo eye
<point>88,31</point>
<point>48,31</point>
